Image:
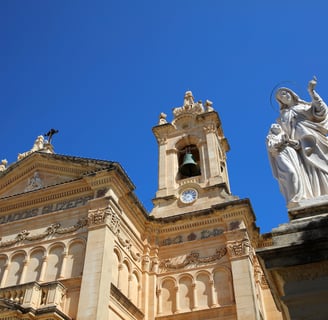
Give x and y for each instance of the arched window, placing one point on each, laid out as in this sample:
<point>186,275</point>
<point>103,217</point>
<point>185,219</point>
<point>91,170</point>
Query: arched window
<point>168,296</point>
<point>15,269</point>
<point>223,287</point>
<point>186,302</point>
<point>203,291</point>
<point>54,263</point>
<point>34,265</point>
<point>134,288</point>
<point>75,259</point>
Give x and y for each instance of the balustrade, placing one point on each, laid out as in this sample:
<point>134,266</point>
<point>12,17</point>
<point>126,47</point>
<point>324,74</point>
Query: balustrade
<point>35,295</point>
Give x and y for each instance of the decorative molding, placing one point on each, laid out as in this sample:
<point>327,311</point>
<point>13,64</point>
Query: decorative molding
<point>53,229</point>
<point>99,215</point>
<point>210,128</point>
<point>191,225</point>
<point>238,248</point>
<point>193,258</point>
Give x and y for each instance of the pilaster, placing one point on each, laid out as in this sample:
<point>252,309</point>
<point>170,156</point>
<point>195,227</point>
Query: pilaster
<point>243,280</point>
<point>97,273</point>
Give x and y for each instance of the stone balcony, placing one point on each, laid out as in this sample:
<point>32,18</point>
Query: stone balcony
<point>45,298</point>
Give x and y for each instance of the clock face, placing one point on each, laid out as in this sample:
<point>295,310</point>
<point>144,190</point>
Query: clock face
<point>189,195</point>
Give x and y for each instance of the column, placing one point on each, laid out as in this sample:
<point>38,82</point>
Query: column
<point>43,268</point>
<point>214,295</point>
<point>194,293</point>
<point>22,277</point>
<point>63,265</point>
<point>177,303</point>
<point>159,299</point>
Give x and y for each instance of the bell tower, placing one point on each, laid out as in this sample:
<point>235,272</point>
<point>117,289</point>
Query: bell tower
<point>192,170</point>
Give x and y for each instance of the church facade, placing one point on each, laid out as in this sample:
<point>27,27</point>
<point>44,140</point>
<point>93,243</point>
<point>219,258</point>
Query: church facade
<point>76,243</point>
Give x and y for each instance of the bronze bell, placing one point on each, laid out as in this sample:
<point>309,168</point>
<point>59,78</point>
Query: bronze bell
<point>189,167</point>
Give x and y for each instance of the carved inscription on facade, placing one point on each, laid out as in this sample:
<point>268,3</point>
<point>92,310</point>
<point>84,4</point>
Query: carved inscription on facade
<point>46,209</point>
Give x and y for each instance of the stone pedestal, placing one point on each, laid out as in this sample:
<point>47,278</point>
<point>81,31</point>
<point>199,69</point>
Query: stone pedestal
<point>296,264</point>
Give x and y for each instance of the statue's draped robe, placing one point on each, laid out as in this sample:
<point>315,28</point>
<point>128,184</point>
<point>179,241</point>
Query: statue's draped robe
<point>308,124</point>
<point>288,170</point>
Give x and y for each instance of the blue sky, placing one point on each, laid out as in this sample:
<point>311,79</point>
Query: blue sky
<point>102,71</point>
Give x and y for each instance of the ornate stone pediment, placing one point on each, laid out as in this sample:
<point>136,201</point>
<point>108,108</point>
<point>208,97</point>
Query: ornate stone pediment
<point>40,170</point>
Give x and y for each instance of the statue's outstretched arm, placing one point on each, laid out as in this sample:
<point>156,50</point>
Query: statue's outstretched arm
<point>317,102</point>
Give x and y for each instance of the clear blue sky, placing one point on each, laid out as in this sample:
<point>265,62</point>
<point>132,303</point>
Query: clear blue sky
<point>101,72</point>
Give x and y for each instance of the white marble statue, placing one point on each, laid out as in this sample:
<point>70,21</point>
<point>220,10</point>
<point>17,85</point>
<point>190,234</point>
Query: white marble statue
<point>305,124</point>
<point>38,145</point>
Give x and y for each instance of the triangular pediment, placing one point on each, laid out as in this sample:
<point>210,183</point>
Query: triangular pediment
<point>42,170</point>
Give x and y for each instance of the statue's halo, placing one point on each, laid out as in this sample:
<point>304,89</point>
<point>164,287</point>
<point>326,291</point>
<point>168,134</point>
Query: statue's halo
<point>284,83</point>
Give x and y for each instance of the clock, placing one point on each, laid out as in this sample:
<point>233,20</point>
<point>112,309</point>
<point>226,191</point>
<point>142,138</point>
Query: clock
<point>188,195</point>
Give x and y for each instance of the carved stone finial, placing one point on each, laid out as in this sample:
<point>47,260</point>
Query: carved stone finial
<point>208,105</point>
<point>3,165</point>
<point>189,106</point>
<point>162,118</point>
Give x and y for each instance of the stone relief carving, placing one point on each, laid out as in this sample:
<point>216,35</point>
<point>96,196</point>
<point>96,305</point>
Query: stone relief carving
<point>192,258</point>
<point>53,229</point>
<point>189,106</point>
<point>238,248</point>
<point>298,145</point>
<point>34,183</point>
<point>98,216</point>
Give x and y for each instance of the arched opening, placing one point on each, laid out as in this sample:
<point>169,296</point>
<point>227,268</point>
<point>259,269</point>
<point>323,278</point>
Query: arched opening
<point>188,160</point>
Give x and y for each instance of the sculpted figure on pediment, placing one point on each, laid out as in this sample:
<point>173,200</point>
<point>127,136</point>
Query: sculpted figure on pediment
<point>298,145</point>
<point>38,145</point>
<point>34,183</point>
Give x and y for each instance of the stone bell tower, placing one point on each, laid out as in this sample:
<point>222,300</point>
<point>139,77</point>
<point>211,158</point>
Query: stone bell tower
<point>192,160</point>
